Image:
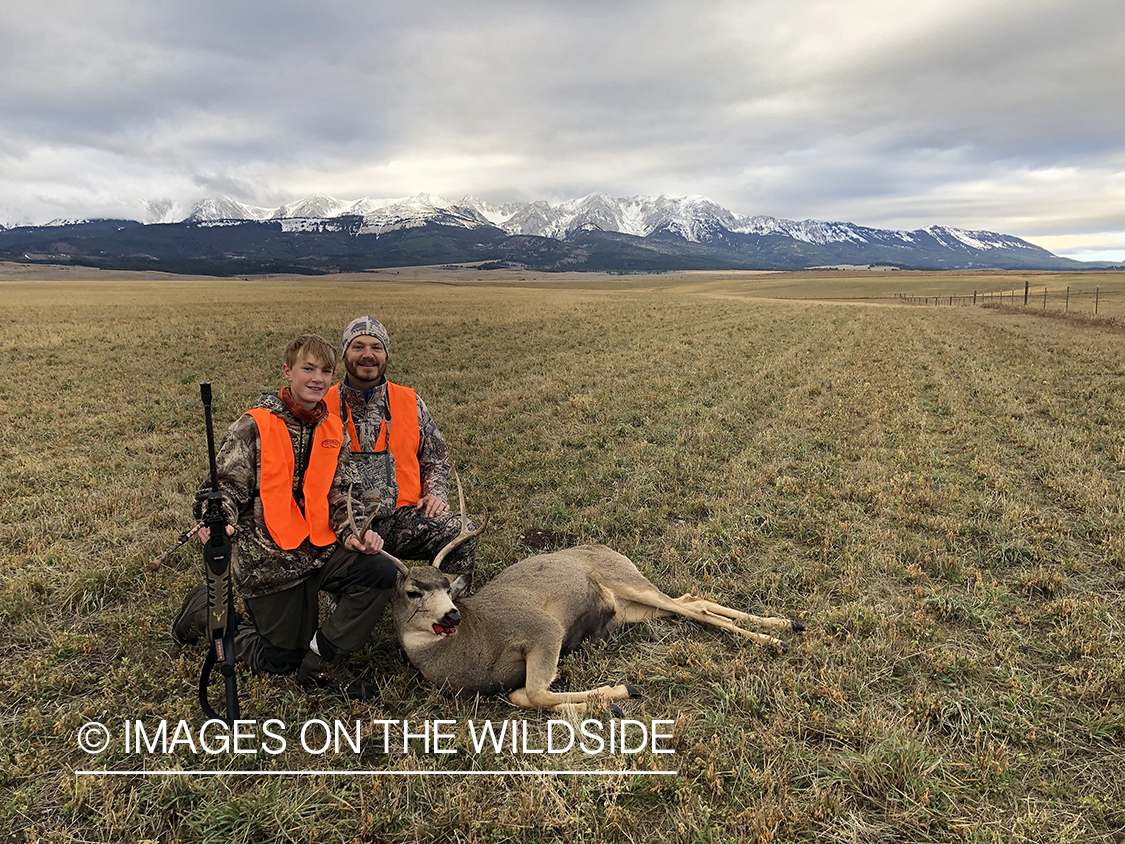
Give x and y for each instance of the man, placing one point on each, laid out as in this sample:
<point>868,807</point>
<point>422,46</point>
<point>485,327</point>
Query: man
<point>399,451</point>
<point>283,471</point>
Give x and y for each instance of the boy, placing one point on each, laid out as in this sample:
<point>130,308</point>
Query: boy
<point>284,476</point>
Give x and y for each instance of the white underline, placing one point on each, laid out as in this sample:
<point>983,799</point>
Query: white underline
<point>370,773</point>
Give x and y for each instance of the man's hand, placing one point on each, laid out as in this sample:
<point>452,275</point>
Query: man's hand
<point>372,543</point>
<point>205,533</point>
<point>432,505</point>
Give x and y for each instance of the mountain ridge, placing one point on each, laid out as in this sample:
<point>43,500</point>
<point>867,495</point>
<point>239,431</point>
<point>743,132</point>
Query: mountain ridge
<point>597,232</point>
<point>694,218</point>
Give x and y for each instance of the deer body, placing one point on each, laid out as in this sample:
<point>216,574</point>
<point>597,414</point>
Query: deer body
<point>510,635</point>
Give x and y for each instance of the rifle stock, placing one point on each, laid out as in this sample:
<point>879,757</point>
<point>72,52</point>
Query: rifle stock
<point>220,591</point>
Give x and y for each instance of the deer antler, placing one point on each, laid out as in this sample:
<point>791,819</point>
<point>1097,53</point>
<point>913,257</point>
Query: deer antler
<point>399,564</point>
<point>465,535</point>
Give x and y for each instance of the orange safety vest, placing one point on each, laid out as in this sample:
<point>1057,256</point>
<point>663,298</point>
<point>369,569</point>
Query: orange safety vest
<point>406,438</point>
<point>288,526</point>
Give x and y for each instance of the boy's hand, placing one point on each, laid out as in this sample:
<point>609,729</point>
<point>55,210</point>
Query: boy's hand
<point>372,543</point>
<point>205,533</point>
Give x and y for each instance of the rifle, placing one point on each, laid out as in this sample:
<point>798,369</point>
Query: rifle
<point>220,593</point>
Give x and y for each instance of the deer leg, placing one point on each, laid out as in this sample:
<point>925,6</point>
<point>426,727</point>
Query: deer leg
<point>637,606</point>
<point>717,609</point>
<point>573,702</point>
<point>767,621</point>
<point>541,666</point>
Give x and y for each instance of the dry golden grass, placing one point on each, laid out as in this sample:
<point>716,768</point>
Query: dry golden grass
<point>938,492</point>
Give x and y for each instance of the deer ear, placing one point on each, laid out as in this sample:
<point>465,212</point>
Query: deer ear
<point>459,586</point>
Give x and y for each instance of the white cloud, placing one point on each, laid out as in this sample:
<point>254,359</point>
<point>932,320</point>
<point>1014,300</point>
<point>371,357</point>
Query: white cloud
<point>1098,246</point>
<point>1001,115</point>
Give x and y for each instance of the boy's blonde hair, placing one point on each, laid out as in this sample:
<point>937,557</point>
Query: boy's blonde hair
<point>313,346</point>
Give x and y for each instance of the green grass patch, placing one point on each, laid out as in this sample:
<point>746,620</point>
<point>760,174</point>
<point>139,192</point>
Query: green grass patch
<point>936,492</point>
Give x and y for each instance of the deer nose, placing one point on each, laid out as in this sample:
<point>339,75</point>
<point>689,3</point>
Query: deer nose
<point>452,618</point>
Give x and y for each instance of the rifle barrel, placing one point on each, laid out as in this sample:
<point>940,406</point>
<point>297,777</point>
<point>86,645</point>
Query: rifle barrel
<point>205,394</point>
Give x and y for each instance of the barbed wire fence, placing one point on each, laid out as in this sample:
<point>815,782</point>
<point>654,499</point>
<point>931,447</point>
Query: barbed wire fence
<point>1071,299</point>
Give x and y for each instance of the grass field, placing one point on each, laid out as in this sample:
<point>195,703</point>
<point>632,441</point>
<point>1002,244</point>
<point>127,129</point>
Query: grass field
<point>937,492</point>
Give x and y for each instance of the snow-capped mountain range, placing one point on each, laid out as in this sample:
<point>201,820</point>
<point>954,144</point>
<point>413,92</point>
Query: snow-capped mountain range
<point>322,234</point>
<point>696,219</point>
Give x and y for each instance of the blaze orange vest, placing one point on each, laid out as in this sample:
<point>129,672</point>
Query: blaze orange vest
<point>405,436</point>
<point>288,526</point>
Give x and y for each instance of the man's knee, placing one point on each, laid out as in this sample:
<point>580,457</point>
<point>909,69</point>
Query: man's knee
<point>447,527</point>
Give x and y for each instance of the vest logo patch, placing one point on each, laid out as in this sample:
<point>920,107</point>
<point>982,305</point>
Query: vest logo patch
<point>330,443</point>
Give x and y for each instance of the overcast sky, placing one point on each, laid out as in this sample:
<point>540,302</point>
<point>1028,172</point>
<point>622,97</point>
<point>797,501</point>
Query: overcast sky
<point>1007,115</point>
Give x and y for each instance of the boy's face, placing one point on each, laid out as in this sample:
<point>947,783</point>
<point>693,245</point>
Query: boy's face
<point>308,380</point>
<point>365,360</point>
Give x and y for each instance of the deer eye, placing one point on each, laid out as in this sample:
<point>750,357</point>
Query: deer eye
<point>413,594</point>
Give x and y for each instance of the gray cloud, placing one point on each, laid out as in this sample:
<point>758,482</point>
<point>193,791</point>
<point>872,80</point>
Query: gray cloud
<point>1004,115</point>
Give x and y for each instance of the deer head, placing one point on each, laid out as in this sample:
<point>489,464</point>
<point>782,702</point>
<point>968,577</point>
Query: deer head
<point>423,604</point>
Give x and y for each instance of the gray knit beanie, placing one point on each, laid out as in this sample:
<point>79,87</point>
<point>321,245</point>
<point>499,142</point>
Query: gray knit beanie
<point>369,326</point>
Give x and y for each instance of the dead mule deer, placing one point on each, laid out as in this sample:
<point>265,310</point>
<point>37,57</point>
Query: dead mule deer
<point>509,636</point>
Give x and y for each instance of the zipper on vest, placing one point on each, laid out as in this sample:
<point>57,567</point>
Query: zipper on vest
<point>302,466</point>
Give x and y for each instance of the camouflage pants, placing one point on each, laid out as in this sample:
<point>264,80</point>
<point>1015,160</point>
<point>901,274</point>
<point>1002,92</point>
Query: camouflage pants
<point>410,535</point>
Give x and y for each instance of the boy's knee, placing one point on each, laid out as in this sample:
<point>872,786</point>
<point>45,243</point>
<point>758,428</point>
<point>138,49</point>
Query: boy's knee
<point>374,571</point>
<point>262,656</point>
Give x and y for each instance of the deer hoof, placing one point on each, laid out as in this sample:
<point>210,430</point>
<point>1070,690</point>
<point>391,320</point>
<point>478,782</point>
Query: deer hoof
<point>633,691</point>
<point>616,711</point>
<point>796,626</point>
<point>784,646</point>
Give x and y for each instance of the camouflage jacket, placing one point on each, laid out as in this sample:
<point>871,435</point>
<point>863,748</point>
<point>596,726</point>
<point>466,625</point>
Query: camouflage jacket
<point>433,453</point>
<point>259,565</point>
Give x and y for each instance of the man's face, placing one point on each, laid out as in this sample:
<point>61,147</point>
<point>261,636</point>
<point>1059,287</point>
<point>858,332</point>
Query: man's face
<point>308,381</point>
<point>365,360</point>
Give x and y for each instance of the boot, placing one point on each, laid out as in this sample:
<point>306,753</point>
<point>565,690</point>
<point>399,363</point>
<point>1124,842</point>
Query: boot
<point>317,673</point>
<point>191,624</point>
